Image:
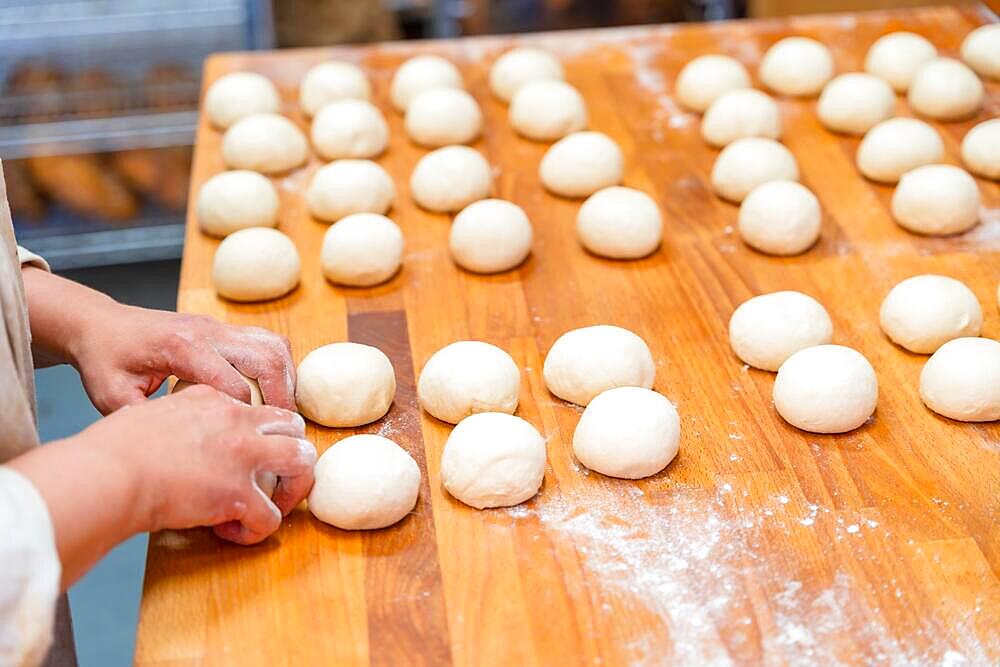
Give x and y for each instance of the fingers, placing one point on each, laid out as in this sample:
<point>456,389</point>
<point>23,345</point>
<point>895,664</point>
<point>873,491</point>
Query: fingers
<point>291,491</point>
<point>258,519</point>
<point>201,364</point>
<point>275,421</point>
<point>266,357</point>
<point>285,456</point>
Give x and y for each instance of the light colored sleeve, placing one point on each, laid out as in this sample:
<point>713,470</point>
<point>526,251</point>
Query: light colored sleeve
<point>25,256</point>
<point>30,572</point>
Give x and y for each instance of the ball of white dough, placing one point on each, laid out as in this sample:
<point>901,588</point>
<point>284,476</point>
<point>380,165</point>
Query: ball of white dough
<point>981,149</point>
<point>419,74</point>
<point>924,312</point>
<point>255,264</point>
<point>264,142</point>
<point>740,113</point>
<point>936,199</point>
<point>747,163</point>
<point>467,377</point>
<point>236,200</point>
<point>826,389</point>
<point>364,482</point>
<point>450,178</point>
<point>896,57</point>
<point>620,223</point>
<point>895,146</point>
<point>493,459</point>
<point>330,82</point>
<point>582,163</point>
<point>238,94</point>
<point>707,78</point>
<point>780,218</point>
<point>520,66</point>
<point>361,250</point>
<point>349,129</point>
<point>584,362</point>
<point>796,66</point>
<point>547,109</point>
<point>346,187</point>
<point>981,50</point>
<point>443,116</point>
<point>854,103</point>
<point>767,329</point>
<point>946,89</point>
<point>489,236</point>
<point>962,380</point>
<point>345,384</point>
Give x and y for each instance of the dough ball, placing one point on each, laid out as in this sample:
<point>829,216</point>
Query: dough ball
<point>896,57</point>
<point>361,250</point>
<point>419,74</point>
<point>707,78</point>
<point>255,264</point>
<point>236,200</point>
<point>747,163</point>
<point>962,380</point>
<point>449,179</point>
<point>936,199</point>
<point>981,149</point>
<point>468,377</point>
<point>826,389</point>
<point>767,329</point>
<point>346,187</point>
<point>796,66</point>
<point>349,129</point>
<point>489,236</point>
<point>493,459</point>
<point>981,50</point>
<point>522,65</point>
<point>233,96</point>
<point>620,223</point>
<point>924,312</point>
<point>780,218</point>
<point>264,142</point>
<point>946,89</point>
<point>443,116</point>
<point>345,384</point>
<point>547,109</point>
<point>364,482</point>
<point>740,113</point>
<point>584,362</point>
<point>330,82</point>
<point>895,146</point>
<point>582,163</point>
<point>854,103</point>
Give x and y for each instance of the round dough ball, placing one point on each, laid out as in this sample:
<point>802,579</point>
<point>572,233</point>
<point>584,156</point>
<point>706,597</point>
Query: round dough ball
<point>490,236</point>
<point>361,250</point>
<point>419,74</point>
<point>239,94</point>
<point>937,200</point>
<point>236,200</point>
<point>796,66</point>
<point>895,146</point>
<point>346,187</point>
<point>854,103</point>
<point>443,116</point>
<point>981,50</point>
<point>740,113</point>
<point>449,179</point>
<point>349,129</point>
<point>896,57</point>
<point>924,312</point>
<point>620,223</point>
<point>493,459</point>
<point>547,109</point>
<point>826,389</point>
<point>780,218</point>
<point>767,329</point>
<point>255,264</point>
<point>264,142</point>
<point>946,89</point>
<point>962,380</point>
<point>707,78</point>
<point>520,66</point>
<point>330,82</point>
<point>345,384</point>
<point>364,482</point>
<point>747,163</point>
<point>981,149</point>
<point>582,163</point>
<point>466,378</point>
<point>584,362</point>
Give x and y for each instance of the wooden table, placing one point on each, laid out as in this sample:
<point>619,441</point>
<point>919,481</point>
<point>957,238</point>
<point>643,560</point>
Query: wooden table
<point>759,544</point>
